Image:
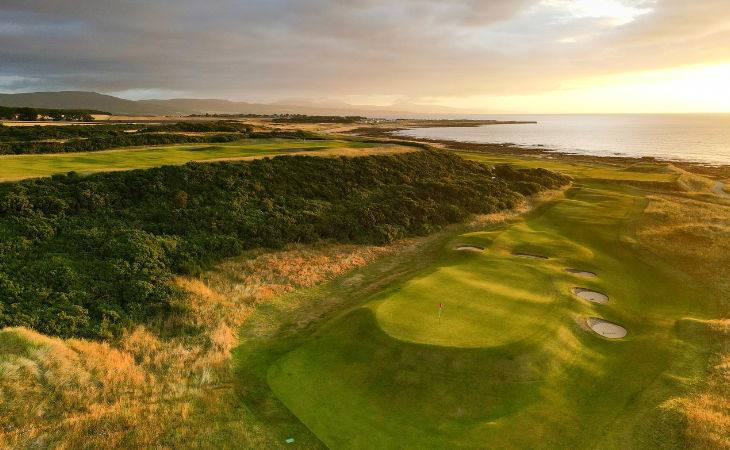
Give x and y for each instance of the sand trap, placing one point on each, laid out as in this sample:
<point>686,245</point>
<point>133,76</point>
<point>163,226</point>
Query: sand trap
<point>581,273</point>
<point>606,329</point>
<point>527,255</point>
<point>469,247</point>
<point>590,295</point>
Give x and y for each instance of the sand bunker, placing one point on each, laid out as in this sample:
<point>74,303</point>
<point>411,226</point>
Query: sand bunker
<point>581,273</point>
<point>590,295</point>
<point>469,247</point>
<point>528,255</point>
<point>606,329</point>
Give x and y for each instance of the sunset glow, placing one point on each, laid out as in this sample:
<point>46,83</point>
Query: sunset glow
<point>691,89</point>
<point>522,56</point>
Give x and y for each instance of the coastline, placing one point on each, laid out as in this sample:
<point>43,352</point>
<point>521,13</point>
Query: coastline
<point>720,171</point>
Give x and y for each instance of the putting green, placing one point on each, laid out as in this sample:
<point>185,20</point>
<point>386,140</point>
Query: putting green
<point>492,290</point>
<point>513,362</point>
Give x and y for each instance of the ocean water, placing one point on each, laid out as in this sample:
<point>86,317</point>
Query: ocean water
<point>701,138</point>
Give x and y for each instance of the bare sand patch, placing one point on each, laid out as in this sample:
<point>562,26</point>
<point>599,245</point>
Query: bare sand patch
<point>606,329</point>
<point>581,273</point>
<point>590,295</point>
<point>468,247</point>
<point>529,255</point>
<point>718,189</point>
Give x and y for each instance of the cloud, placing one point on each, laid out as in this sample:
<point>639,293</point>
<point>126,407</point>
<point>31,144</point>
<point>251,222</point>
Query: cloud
<point>266,50</point>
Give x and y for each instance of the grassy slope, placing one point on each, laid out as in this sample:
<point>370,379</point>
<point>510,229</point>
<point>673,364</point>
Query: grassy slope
<point>86,397</point>
<point>25,166</point>
<point>509,365</point>
<point>149,390</point>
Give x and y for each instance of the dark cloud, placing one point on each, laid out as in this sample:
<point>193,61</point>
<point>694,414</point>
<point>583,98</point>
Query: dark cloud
<point>282,48</point>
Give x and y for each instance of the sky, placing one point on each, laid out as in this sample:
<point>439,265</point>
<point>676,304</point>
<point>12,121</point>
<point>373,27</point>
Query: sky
<point>528,56</point>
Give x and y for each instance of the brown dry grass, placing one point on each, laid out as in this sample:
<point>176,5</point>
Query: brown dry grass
<point>149,389</point>
<point>694,235</point>
<point>385,149</point>
<point>706,413</point>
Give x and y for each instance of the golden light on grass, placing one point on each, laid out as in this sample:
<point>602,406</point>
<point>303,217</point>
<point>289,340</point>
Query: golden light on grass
<point>72,393</point>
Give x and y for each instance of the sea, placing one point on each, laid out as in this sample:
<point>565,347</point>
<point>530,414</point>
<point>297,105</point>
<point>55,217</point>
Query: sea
<point>703,138</point>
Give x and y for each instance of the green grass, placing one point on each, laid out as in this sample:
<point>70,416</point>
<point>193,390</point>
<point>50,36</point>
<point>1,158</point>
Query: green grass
<point>27,166</point>
<point>509,365</point>
<point>639,172</point>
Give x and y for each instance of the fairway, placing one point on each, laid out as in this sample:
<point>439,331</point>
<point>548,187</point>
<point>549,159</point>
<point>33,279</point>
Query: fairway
<point>515,349</point>
<point>28,166</point>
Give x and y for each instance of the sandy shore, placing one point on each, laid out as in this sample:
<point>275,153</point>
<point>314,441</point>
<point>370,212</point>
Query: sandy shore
<point>716,171</point>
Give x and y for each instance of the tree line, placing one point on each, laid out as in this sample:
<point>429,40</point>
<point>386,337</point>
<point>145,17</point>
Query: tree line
<point>67,139</point>
<point>89,256</point>
<point>33,114</point>
<point>303,118</point>
<point>288,118</point>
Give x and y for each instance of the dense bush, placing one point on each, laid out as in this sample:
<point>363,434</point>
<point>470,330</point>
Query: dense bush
<point>73,138</point>
<point>86,256</point>
<point>31,114</point>
<point>39,132</point>
<point>529,181</point>
<point>220,126</point>
<point>303,118</point>
<point>104,143</point>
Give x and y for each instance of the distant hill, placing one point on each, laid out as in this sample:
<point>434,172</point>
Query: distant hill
<point>186,106</point>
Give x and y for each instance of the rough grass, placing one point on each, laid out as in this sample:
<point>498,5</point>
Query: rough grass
<point>705,414</point>
<point>693,235</point>
<point>156,387</point>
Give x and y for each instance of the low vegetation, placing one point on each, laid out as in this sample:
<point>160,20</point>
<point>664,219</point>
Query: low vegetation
<point>513,351</point>
<point>73,138</point>
<point>692,232</point>
<point>149,389</point>
<point>88,256</point>
<point>302,118</point>
<point>29,166</point>
<point>330,349</point>
<point>33,114</point>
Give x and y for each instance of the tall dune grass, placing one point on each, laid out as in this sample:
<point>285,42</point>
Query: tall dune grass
<point>166,386</point>
<point>693,234</point>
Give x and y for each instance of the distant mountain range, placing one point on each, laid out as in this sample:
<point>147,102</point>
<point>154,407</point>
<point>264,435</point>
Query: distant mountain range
<point>187,106</point>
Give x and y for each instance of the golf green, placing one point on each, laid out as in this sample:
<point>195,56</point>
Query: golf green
<point>512,362</point>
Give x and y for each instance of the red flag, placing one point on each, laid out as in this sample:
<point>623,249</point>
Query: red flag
<point>441,306</point>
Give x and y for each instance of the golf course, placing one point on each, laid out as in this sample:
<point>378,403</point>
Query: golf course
<point>15,167</point>
<point>383,295</point>
<point>582,346</point>
<point>365,225</point>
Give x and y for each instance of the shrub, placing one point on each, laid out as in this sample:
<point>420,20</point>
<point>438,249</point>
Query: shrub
<point>88,256</point>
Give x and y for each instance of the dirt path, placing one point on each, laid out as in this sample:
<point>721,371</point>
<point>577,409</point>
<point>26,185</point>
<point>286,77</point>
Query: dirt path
<point>717,189</point>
